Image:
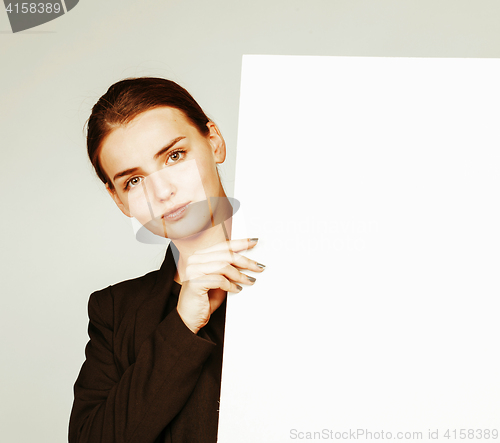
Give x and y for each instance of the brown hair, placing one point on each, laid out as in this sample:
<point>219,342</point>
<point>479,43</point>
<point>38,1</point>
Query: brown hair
<point>127,99</point>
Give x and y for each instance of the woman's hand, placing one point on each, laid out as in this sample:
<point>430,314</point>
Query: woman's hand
<point>209,274</point>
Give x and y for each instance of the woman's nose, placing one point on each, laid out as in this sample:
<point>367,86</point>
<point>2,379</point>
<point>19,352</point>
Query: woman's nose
<point>159,185</point>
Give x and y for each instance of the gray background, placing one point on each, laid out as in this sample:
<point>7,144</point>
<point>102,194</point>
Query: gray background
<point>62,236</point>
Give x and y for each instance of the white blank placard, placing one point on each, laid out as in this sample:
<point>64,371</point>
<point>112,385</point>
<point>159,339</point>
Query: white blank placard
<point>374,187</point>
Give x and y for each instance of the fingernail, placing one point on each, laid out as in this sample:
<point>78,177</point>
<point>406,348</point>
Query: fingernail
<point>252,279</point>
<point>261,266</point>
<point>239,287</point>
<point>253,240</point>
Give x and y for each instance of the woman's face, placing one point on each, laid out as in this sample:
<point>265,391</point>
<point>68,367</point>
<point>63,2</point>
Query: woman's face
<point>160,167</point>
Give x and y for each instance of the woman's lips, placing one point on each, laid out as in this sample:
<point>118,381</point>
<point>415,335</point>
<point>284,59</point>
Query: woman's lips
<point>177,213</point>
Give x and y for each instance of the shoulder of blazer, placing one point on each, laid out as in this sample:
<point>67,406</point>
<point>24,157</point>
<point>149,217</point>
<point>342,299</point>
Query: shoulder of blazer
<point>110,304</point>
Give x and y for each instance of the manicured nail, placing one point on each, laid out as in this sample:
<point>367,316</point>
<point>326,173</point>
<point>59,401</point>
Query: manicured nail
<point>252,279</point>
<point>253,240</point>
<point>261,266</point>
<point>239,287</point>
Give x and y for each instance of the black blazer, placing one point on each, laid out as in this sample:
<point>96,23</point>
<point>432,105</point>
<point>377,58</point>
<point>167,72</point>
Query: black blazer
<point>147,378</point>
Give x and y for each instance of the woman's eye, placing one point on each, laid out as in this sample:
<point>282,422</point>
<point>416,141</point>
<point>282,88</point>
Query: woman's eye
<point>175,157</point>
<point>134,181</point>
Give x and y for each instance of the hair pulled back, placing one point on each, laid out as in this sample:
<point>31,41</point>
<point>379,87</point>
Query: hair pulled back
<point>127,99</point>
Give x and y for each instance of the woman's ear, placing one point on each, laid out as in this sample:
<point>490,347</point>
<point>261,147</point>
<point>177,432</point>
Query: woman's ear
<point>112,192</point>
<point>217,142</point>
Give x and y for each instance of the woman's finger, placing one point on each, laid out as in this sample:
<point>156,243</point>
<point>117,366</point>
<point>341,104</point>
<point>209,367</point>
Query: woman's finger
<point>215,281</point>
<point>222,268</point>
<point>231,245</point>
<point>229,257</point>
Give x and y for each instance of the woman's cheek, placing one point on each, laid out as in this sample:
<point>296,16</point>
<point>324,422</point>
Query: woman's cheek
<point>190,180</point>
<point>138,205</point>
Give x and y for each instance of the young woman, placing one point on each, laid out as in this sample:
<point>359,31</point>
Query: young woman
<point>153,363</point>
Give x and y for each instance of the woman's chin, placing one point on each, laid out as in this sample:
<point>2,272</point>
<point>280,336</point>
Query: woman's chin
<point>196,219</point>
<point>185,233</point>
<point>179,230</point>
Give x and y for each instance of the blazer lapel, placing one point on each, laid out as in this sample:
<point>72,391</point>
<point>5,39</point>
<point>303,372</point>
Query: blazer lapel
<point>156,306</point>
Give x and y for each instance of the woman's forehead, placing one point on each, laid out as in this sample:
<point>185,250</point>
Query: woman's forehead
<point>159,119</point>
<point>158,125</point>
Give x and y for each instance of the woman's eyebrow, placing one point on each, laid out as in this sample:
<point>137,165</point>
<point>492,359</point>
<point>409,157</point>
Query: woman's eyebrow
<point>124,173</point>
<point>158,154</point>
<point>167,147</point>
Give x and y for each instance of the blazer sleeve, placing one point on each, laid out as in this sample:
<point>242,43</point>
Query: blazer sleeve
<point>135,406</point>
